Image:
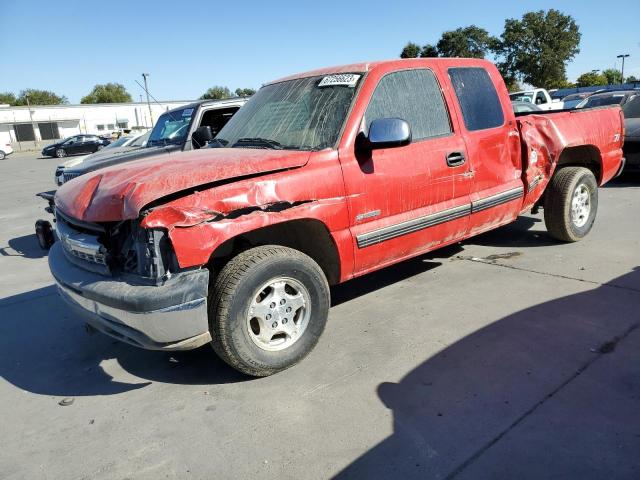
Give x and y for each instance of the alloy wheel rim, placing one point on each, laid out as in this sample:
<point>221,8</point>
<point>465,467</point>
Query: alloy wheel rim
<point>278,314</point>
<point>580,205</point>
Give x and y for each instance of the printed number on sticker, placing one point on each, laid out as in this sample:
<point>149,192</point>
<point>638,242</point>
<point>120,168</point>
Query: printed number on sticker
<point>344,79</point>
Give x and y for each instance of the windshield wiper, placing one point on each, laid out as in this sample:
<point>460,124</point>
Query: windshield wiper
<point>258,142</point>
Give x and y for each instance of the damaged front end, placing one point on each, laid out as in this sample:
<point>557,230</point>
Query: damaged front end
<point>121,249</point>
<point>124,280</point>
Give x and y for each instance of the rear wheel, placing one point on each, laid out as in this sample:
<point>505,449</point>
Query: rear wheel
<point>571,204</point>
<point>267,309</point>
<point>2,155</point>
<point>61,153</point>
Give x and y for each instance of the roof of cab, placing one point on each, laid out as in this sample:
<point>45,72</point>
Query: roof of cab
<point>364,67</point>
<point>222,103</point>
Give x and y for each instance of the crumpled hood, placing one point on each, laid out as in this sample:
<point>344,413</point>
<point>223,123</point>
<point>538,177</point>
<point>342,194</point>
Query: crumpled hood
<point>120,192</point>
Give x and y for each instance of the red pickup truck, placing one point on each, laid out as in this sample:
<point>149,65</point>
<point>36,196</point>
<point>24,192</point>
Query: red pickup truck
<point>321,177</point>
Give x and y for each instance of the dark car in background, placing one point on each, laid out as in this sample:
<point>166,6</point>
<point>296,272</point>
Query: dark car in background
<point>76,145</point>
<point>631,147</point>
<point>615,97</point>
<point>573,100</point>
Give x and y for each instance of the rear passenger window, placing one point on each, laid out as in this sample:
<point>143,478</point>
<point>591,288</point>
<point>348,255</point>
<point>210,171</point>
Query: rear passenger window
<point>481,107</point>
<point>414,96</point>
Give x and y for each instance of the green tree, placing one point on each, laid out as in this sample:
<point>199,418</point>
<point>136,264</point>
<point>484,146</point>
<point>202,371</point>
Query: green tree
<point>410,50</point>
<point>244,92</point>
<point>107,93</point>
<point>216,93</point>
<point>591,79</point>
<point>612,75</point>
<point>40,97</point>
<point>537,48</point>
<point>469,42</point>
<point>7,98</point>
<point>631,79</point>
<point>429,51</point>
<point>514,86</point>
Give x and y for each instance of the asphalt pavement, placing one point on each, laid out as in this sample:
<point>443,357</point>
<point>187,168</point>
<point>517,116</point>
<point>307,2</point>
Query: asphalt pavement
<point>507,356</point>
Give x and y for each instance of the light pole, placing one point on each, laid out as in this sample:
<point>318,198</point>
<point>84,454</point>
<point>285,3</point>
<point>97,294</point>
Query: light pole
<point>622,56</point>
<point>33,125</point>
<point>146,89</point>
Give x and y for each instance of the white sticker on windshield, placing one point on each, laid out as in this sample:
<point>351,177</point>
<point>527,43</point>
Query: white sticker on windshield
<point>187,112</point>
<point>342,79</point>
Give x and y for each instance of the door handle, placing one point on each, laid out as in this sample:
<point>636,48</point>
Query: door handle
<point>455,159</point>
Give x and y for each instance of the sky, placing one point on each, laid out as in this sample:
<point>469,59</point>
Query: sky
<point>188,46</point>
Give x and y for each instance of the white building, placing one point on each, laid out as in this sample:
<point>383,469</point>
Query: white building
<point>30,128</point>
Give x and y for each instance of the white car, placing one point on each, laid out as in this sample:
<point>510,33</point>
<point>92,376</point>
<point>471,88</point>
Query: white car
<point>5,150</point>
<point>539,97</point>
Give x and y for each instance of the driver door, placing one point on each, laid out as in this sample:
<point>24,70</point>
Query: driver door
<point>409,199</point>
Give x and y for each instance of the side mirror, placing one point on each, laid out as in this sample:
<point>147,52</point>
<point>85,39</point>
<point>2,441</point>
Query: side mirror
<point>388,132</point>
<point>202,135</point>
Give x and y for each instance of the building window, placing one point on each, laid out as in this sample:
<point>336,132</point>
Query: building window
<point>100,127</point>
<point>111,126</point>
<point>24,132</point>
<point>123,124</point>
<point>48,130</point>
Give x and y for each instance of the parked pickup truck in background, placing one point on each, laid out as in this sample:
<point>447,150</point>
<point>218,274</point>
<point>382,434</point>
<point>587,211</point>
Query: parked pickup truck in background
<point>539,97</point>
<point>321,177</point>
<point>181,129</point>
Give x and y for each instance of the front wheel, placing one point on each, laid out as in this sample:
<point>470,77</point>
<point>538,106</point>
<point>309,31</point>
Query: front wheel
<point>267,309</point>
<point>571,204</point>
<point>61,153</point>
<point>2,155</point>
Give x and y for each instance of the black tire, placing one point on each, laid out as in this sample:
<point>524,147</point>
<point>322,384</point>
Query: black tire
<point>2,155</point>
<point>233,293</point>
<point>61,153</point>
<point>558,203</point>
<point>44,234</point>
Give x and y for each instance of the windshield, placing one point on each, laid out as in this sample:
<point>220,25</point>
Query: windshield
<point>522,97</point>
<point>141,141</point>
<point>632,109</point>
<point>602,101</point>
<point>171,128</point>
<point>118,143</point>
<point>302,114</point>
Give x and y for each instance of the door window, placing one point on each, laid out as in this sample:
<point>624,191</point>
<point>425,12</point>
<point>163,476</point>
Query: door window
<point>413,96</point>
<point>540,98</point>
<point>481,107</point>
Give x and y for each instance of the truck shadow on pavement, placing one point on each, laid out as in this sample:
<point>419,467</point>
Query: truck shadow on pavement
<point>25,246</point>
<point>551,391</point>
<point>44,348</point>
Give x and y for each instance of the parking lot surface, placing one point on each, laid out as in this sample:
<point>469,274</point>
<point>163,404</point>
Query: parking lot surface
<point>507,356</point>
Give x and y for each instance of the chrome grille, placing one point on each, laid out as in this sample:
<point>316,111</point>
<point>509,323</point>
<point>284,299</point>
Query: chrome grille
<point>66,176</point>
<point>82,245</point>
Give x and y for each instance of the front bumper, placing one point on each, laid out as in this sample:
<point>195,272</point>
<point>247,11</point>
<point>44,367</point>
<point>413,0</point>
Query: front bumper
<point>172,316</point>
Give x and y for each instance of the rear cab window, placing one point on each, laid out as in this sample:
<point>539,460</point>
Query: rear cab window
<point>413,96</point>
<point>478,98</point>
